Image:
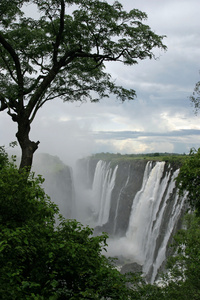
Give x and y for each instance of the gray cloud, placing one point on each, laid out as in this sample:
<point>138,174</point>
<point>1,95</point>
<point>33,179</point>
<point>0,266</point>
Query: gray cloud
<point>122,135</point>
<point>160,119</point>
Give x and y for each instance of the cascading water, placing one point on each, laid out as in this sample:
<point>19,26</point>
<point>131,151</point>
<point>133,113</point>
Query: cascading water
<point>96,200</point>
<point>103,184</point>
<point>122,189</point>
<point>145,224</point>
<point>155,209</point>
<point>135,201</point>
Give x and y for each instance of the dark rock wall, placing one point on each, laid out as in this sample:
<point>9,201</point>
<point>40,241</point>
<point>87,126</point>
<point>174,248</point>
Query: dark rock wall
<point>128,182</point>
<point>59,185</point>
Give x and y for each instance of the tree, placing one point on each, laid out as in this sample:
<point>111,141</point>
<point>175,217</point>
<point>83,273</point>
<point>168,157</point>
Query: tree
<point>188,179</point>
<point>41,259</point>
<point>3,157</point>
<point>183,278</point>
<point>195,98</point>
<point>55,54</point>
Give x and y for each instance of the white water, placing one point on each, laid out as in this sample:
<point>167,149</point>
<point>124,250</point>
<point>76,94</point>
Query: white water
<point>147,213</point>
<point>150,221</point>
<point>94,204</point>
<point>118,199</point>
<point>103,184</point>
<point>144,210</point>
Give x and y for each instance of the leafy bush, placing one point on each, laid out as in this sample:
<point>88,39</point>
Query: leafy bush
<point>189,179</point>
<point>42,260</point>
<point>182,281</point>
<point>3,157</point>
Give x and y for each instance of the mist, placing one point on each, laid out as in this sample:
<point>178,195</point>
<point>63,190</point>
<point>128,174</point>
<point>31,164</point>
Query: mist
<point>135,202</point>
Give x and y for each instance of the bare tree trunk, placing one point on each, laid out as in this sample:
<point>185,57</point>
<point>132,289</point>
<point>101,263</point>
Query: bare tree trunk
<point>28,147</point>
<point>27,154</point>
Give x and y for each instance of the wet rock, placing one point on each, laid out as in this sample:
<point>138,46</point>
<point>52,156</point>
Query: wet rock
<point>132,267</point>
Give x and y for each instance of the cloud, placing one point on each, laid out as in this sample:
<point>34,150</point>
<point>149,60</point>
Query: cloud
<point>177,141</point>
<point>121,135</point>
<point>161,118</point>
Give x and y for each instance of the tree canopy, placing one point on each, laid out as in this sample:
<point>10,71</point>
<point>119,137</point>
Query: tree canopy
<point>182,279</point>
<point>195,98</point>
<point>62,51</point>
<point>188,180</point>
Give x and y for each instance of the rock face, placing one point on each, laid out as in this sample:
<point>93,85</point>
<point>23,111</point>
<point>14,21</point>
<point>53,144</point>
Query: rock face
<point>132,267</point>
<point>58,182</point>
<point>134,201</point>
<point>127,183</point>
<point>140,205</point>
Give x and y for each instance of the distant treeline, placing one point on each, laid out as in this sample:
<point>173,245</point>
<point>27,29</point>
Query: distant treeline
<point>173,158</point>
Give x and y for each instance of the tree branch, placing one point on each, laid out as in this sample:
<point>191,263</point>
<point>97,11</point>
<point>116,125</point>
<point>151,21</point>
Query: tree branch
<point>3,103</point>
<point>44,70</point>
<point>8,67</point>
<point>59,35</point>
<point>33,86</point>
<point>98,57</point>
<point>41,89</point>
<point>15,58</point>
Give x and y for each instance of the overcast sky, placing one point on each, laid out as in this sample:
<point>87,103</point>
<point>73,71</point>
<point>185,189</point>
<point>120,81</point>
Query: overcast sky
<point>160,119</point>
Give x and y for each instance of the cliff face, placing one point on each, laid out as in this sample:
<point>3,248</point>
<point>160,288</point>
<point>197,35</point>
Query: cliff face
<point>128,182</point>
<point>58,182</point>
<point>134,201</point>
<point>141,204</point>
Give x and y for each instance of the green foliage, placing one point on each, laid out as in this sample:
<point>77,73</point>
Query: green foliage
<point>172,158</point>
<point>195,98</point>
<point>42,260</point>
<point>189,179</point>
<point>183,280</point>
<point>54,54</point>
<point>67,53</point>
<point>22,201</point>
<point>9,10</point>
<point>3,157</point>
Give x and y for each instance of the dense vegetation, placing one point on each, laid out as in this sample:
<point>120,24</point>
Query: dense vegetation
<point>189,179</point>
<point>172,158</point>
<point>44,256</point>
<point>183,280</point>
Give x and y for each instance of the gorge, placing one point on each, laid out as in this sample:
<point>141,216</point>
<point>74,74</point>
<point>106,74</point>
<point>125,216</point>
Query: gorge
<point>134,200</point>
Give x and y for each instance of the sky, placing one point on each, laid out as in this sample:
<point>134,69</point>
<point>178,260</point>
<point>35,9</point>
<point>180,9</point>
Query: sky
<point>160,119</point>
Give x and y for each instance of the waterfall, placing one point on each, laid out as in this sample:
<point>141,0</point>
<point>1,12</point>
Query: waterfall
<point>122,189</point>
<point>143,196</point>
<point>147,215</point>
<point>145,210</point>
<point>103,184</point>
<point>136,202</point>
<point>95,202</point>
